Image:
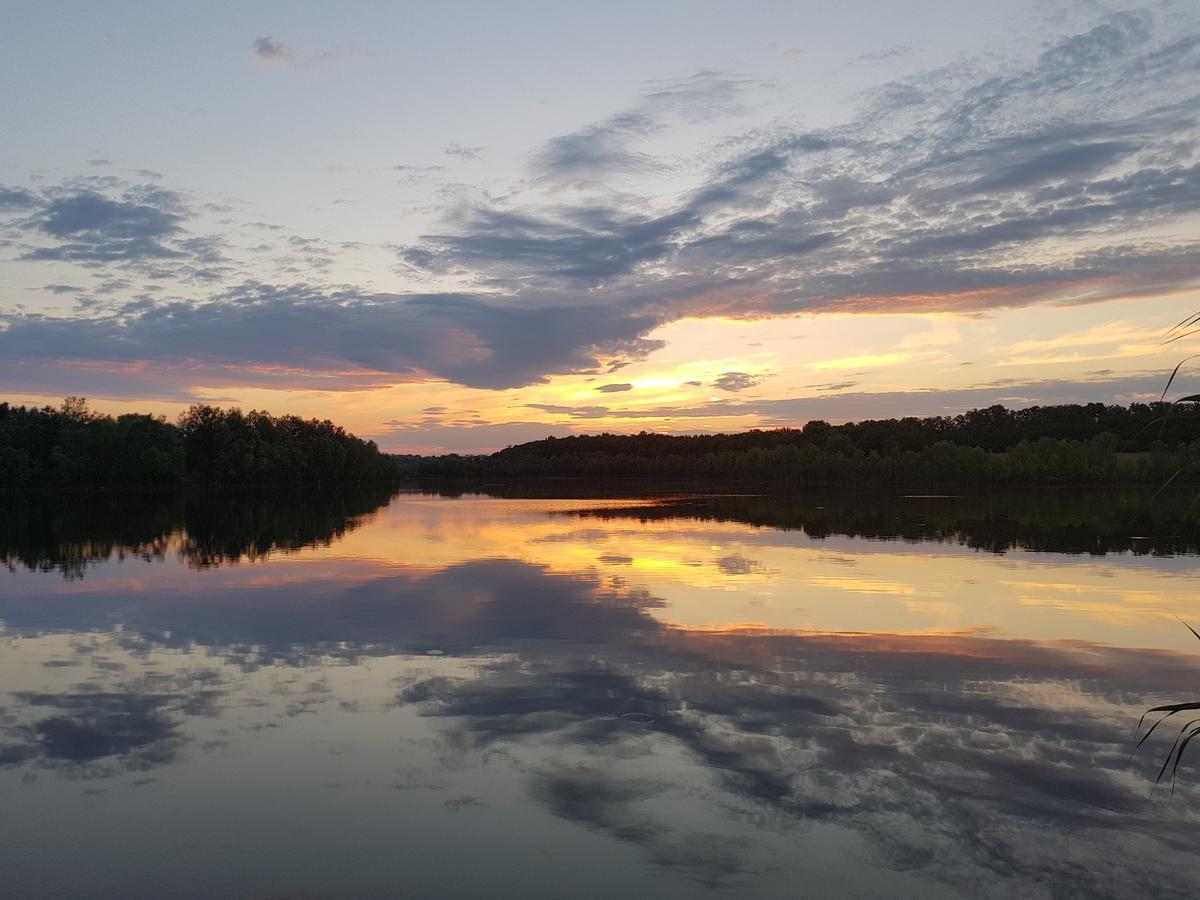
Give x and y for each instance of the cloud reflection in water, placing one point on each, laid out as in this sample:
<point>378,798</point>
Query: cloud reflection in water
<point>965,763</point>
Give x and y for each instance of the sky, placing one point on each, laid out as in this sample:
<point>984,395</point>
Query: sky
<point>459,226</point>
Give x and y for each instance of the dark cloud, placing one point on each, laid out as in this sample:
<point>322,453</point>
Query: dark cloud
<point>737,381</point>
<point>582,247</point>
<point>267,48</point>
<point>1053,165</point>
<point>16,198</point>
<point>110,222</point>
<point>92,216</point>
<point>458,337</point>
<point>117,251</point>
<point>615,388</point>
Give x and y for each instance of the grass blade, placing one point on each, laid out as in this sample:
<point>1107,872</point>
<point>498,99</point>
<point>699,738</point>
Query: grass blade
<point>1187,322</point>
<point>1188,627</point>
<point>1179,757</point>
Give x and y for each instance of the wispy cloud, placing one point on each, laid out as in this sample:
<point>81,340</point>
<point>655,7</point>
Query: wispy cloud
<point>272,51</point>
<point>610,146</point>
<point>460,151</point>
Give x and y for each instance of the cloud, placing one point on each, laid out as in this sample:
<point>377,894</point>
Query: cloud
<point>457,337</point>
<point>886,54</point>
<point>460,151</point>
<point>1053,165</point>
<point>737,381</point>
<point>268,49</point>
<point>596,150</point>
<point>16,198</point>
<point>609,147</point>
<point>89,213</point>
<point>410,174</point>
<point>1072,176</point>
<point>119,225</point>
<point>614,388</point>
<point>582,247</point>
<point>835,386</point>
<point>1077,152</point>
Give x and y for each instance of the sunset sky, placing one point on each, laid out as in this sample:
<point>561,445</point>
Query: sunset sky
<point>458,226</point>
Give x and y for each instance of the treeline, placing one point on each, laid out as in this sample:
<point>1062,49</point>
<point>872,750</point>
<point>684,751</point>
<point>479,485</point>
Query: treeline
<point>1072,444</point>
<point>72,446</point>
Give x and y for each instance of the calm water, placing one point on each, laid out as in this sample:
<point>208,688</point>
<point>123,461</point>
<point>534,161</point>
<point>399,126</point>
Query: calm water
<point>489,696</point>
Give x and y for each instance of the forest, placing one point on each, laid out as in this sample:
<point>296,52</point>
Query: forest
<point>1068,444</point>
<point>73,446</point>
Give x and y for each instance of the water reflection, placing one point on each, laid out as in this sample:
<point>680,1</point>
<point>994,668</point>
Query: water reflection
<point>70,532</point>
<point>476,676</point>
<point>1066,521</point>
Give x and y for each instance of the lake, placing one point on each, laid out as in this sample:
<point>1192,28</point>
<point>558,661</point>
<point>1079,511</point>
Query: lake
<point>647,694</point>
